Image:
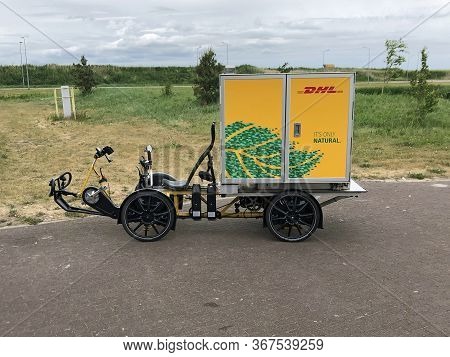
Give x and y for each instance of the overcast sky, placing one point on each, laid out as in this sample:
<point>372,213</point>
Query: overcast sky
<point>262,33</point>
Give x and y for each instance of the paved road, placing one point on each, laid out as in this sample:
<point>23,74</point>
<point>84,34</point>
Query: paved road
<point>379,268</point>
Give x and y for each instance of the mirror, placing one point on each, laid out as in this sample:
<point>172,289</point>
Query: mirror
<point>148,148</point>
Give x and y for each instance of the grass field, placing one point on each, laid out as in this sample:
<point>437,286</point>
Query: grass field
<point>34,145</point>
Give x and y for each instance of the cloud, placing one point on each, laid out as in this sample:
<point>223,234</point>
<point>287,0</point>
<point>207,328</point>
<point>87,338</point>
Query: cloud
<point>264,33</point>
<point>59,51</point>
<point>112,45</point>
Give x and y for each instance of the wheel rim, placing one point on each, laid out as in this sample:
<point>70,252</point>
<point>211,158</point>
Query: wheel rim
<point>293,217</point>
<point>148,217</point>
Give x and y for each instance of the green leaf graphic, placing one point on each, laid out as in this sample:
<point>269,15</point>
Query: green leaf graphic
<point>255,152</point>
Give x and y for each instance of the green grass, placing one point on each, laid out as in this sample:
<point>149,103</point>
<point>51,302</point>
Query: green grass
<point>393,88</point>
<point>436,171</point>
<point>416,175</point>
<point>31,220</point>
<point>177,111</point>
<point>393,115</point>
<point>24,95</point>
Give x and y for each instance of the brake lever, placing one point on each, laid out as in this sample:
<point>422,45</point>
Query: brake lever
<point>107,158</point>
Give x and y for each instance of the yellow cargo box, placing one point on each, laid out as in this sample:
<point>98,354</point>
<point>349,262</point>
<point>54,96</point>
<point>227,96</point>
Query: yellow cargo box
<point>286,128</point>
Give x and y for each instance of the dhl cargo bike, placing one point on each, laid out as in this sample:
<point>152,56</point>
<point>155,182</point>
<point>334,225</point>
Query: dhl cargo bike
<point>285,145</point>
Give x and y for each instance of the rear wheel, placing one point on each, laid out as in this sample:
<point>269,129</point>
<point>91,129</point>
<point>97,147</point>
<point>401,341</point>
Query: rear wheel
<point>293,216</point>
<point>147,215</point>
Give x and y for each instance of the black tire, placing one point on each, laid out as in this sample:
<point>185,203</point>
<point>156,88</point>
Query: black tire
<point>147,215</point>
<point>292,216</point>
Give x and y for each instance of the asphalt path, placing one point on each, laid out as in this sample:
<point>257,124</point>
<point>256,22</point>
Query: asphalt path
<point>379,268</point>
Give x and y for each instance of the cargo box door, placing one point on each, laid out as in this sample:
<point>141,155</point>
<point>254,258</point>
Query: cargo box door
<point>253,116</point>
<point>318,127</point>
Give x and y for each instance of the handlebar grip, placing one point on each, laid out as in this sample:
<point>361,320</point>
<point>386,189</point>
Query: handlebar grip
<point>108,150</point>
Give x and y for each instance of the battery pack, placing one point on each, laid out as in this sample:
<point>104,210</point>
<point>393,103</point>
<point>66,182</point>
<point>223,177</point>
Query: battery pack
<point>196,211</point>
<point>211,202</point>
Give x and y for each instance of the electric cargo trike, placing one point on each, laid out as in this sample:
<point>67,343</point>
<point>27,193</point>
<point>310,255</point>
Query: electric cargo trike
<point>285,144</point>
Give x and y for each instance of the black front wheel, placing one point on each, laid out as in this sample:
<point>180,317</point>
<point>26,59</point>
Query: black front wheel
<point>147,215</point>
<point>293,216</point>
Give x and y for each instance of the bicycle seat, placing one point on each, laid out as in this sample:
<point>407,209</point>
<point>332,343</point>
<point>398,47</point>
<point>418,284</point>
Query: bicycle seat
<point>174,185</point>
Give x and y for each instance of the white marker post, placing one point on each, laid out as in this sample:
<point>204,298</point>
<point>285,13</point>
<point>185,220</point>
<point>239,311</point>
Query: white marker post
<point>67,107</point>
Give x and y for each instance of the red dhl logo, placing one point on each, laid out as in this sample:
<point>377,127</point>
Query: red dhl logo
<point>316,90</point>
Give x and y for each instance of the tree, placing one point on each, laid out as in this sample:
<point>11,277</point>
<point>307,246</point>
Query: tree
<point>394,59</point>
<point>285,68</point>
<point>206,83</point>
<point>83,76</point>
<point>426,97</point>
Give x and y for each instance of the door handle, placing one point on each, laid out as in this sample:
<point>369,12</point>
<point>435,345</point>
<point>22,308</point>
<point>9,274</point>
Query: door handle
<point>297,130</point>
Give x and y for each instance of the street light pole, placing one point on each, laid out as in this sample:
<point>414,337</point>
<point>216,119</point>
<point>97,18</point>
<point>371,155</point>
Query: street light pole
<point>21,64</point>
<point>26,62</point>
<point>323,57</point>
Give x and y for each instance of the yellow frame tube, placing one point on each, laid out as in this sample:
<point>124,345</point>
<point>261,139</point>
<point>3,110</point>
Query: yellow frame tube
<point>86,179</point>
<point>73,103</point>
<point>56,102</point>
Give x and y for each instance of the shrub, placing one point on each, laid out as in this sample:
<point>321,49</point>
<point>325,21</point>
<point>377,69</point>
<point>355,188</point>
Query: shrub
<point>206,84</point>
<point>83,76</point>
<point>247,69</point>
<point>425,94</point>
<point>285,68</point>
<point>167,90</point>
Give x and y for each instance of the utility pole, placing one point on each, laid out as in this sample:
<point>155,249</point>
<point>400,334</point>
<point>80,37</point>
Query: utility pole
<point>26,62</point>
<point>21,64</point>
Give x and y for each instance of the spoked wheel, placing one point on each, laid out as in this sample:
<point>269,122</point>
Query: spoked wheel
<point>293,216</point>
<point>147,215</point>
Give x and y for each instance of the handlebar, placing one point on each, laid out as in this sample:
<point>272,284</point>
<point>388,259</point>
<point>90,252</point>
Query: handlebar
<point>107,150</point>
<point>59,184</point>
